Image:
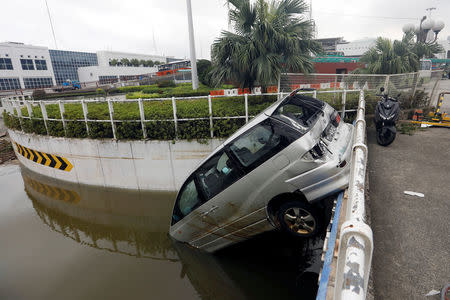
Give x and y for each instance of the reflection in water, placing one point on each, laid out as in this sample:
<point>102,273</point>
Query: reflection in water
<point>121,221</point>
<point>135,223</point>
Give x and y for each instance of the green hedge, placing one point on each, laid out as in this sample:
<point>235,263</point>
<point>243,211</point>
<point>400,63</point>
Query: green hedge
<point>160,112</point>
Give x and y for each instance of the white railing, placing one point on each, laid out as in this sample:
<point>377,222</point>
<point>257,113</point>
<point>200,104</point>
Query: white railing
<point>13,105</point>
<point>356,241</point>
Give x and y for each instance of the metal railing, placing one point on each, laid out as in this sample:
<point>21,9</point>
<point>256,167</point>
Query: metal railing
<point>356,240</point>
<point>14,107</point>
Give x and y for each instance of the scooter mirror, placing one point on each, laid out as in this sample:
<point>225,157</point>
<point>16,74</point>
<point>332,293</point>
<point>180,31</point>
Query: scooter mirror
<point>399,95</point>
<point>381,89</point>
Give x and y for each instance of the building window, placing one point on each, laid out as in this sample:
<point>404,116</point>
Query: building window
<point>107,79</point>
<point>37,82</point>
<point>41,64</point>
<point>6,64</point>
<point>27,64</point>
<point>9,84</point>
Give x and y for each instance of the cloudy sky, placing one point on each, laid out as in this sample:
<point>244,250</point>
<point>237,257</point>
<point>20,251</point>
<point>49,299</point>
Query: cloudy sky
<point>160,26</point>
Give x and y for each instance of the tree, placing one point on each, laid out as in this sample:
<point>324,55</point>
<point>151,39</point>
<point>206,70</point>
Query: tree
<point>150,63</point>
<point>422,50</point>
<point>125,62</point>
<point>113,62</point>
<point>269,38</point>
<point>143,62</point>
<point>388,57</point>
<point>157,63</point>
<point>204,68</point>
<point>135,62</point>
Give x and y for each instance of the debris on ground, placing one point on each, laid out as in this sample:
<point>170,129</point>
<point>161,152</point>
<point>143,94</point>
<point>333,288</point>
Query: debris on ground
<point>414,194</point>
<point>432,293</point>
<point>6,150</point>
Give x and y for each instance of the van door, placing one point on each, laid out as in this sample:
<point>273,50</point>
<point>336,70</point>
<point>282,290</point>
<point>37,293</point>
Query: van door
<point>206,200</point>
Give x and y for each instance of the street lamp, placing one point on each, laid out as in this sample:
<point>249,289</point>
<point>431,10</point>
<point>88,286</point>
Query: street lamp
<point>427,31</point>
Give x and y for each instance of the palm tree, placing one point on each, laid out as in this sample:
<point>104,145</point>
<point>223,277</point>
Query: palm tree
<point>388,57</point>
<point>113,62</point>
<point>135,62</point>
<point>422,50</point>
<point>267,40</point>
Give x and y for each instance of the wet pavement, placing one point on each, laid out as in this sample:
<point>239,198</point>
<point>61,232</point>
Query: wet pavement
<point>411,234</point>
<point>66,241</point>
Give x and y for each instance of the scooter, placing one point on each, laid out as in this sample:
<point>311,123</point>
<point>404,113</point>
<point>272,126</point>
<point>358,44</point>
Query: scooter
<point>386,114</point>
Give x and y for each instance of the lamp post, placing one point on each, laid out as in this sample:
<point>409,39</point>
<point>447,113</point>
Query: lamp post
<point>427,31</point>
<point>192,47</point>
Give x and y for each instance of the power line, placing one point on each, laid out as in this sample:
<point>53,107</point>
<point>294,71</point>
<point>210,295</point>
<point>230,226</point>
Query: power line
<point>362,16</point>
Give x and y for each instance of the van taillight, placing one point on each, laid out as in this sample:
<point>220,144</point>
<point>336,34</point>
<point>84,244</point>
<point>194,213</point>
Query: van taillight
<point>335,119</point>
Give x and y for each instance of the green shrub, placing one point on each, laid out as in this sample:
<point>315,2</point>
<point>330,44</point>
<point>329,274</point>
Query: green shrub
<point>166,83</point>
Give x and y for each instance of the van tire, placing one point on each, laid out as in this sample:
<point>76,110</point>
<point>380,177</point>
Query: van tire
<point>299,219</point>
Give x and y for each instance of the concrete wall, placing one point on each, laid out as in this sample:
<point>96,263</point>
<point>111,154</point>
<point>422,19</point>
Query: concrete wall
<point>143,165</point>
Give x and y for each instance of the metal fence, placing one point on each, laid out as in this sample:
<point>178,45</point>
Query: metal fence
<point>14,106</point>
<point>406,83</point>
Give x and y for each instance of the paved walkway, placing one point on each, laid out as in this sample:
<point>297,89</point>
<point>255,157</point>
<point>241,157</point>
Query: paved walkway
<point>411,234</point>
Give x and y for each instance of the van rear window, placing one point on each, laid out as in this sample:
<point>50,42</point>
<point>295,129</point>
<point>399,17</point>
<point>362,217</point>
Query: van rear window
<point>299,111</point>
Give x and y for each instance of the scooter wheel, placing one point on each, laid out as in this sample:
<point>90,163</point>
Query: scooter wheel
<point>385,137</point>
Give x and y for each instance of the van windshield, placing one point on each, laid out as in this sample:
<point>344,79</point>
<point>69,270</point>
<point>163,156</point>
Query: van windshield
<point>299,111</point>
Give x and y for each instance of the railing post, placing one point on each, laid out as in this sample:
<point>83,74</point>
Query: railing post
<point>211,128</point>
<point>44,115</point>
<point>85,112</point>
<point>29,109</point>
<point>344,99</point>
<point>174,109</point>
<point>61,110</point>
<point>315,94</point>
<point>386,82</point>
<point>141,113</point>
<point>19,113</point>
<point>246,107</point>
<point>279,87</point>
<point>111,116</point>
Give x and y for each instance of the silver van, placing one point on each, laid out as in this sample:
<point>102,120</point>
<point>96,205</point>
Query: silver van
<point>272,172</point>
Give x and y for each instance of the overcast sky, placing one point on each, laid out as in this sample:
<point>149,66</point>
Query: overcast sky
<point>160,26</point>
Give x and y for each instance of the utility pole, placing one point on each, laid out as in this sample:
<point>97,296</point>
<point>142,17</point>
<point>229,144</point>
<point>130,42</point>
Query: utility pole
<point>192,47</point>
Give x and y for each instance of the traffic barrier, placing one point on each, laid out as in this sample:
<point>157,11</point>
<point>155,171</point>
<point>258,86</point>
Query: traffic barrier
<point>45,159</point>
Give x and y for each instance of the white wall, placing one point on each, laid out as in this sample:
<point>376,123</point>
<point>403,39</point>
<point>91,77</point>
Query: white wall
<point>105,56</point>
<point>356,48</point>
<point>143,165</point>
<point>92,73</point>
<point>15,51</point>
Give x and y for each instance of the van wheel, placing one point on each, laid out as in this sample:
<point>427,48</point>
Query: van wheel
<point>299,219</point>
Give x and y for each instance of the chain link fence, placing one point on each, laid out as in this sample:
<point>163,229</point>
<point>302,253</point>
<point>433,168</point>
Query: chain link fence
<point>416,89</point>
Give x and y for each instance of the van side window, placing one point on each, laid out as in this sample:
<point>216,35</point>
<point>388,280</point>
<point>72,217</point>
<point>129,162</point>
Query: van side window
<point>262,142</point>
<point>187,201</point>
<point>217,173</point>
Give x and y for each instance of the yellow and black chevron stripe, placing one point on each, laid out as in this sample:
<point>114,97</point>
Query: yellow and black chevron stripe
<point>45,159</point>
<point>52,191</point>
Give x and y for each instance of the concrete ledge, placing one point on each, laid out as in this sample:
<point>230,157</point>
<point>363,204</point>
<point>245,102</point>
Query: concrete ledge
<point>141,165</point>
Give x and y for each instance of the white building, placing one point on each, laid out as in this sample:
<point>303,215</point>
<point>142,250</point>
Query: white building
<point>446,45</point>
<point>25,66</point>
<point>104,57</point>
<point>105,74</point>
<point>356,48</point>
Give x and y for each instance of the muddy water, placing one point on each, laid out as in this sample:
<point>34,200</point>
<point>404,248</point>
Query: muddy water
<point>66,241</point>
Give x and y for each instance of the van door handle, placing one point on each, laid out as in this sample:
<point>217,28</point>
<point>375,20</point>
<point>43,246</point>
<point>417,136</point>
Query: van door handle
<point>209,211</point>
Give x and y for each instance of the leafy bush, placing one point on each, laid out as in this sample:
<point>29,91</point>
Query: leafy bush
<point>159,116</point>
<point>166,83</point>
<point>38,94</point>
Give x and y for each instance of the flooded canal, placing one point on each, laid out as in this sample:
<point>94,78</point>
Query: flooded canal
<point>66,241</point>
